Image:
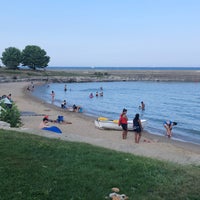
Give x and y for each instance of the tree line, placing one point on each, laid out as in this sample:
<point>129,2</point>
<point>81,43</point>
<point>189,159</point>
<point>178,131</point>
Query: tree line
<point>31,56</point>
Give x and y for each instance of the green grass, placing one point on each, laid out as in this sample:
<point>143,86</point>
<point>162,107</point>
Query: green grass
<point>38,168</point>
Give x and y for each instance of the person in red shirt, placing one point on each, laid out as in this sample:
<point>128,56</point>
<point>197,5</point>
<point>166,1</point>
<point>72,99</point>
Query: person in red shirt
<point>123,122</point>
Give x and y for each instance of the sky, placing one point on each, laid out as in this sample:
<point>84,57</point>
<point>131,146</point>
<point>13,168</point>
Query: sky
<point>105,33</point>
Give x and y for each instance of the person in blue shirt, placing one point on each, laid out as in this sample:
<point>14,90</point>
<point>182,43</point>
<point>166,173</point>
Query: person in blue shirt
<point>168,126</point>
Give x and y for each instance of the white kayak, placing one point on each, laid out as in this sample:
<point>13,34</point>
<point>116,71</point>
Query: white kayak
<point>105,123</point>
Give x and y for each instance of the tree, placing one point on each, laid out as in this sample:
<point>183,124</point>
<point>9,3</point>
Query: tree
<point>34,57</point>
<point>11,57</point>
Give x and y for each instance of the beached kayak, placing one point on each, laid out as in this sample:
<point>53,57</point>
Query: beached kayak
<point>105,123</point>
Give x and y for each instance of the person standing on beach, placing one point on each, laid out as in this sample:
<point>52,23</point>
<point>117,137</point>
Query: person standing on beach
<point>137,128</point>
<point>123,122</point>
<point>168,126</point>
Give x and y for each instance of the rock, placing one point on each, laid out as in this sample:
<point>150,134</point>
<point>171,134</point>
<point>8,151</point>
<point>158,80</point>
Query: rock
<point>4,124</point>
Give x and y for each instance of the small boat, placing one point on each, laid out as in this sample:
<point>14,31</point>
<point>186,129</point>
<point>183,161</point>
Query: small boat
<point>105,123</point>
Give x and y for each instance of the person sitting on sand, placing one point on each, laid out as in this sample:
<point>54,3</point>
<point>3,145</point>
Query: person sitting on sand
<point>76,108</point>
<point>168,126</point>
<point>64,104</point>
<point>9,97</point>
<point>59,120</point>
<point>44,123</point>
<point>6,101</point>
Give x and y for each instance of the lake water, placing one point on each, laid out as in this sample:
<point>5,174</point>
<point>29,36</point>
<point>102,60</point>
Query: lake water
<point>176,101</point>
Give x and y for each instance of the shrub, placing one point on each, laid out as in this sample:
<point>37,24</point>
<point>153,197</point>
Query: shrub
<point>10,115</point>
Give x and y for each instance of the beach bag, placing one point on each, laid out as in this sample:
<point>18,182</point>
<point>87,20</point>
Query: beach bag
<point>60,119</point>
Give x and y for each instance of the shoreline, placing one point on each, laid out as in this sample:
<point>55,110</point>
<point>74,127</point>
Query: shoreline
<point>82,129</point>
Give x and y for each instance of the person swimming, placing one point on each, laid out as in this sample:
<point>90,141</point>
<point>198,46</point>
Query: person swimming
<point>91,95</point>
<point>142,106</point>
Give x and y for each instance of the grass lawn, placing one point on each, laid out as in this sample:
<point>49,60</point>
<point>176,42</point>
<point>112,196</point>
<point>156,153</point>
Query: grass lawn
<point>38,168</point>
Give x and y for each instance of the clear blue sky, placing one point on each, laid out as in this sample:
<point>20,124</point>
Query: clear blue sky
<point>130,33</point>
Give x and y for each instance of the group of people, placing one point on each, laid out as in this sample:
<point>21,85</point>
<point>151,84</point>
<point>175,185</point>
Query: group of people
<point>123,121</point>
<point>97,93</point>
<point>137,125</point>
<point>46,120</point>
<point>74,108</point>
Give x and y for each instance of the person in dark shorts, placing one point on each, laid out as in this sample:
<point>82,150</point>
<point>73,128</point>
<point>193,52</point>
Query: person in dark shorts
<point>123,122</point>
<point>137,128</point>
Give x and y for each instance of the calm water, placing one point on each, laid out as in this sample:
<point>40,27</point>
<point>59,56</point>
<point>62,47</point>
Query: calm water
<point>175,101</point>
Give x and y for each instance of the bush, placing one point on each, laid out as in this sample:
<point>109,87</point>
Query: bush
<point>10,115</point>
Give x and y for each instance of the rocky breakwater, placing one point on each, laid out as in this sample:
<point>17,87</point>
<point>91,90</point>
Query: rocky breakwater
<point>157,75</point>
<point>111,75</point>
<point>131,75</point>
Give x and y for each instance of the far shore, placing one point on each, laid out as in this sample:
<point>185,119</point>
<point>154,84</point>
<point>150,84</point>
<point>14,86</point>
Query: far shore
<point>82,129</point>
<point>99,75</point>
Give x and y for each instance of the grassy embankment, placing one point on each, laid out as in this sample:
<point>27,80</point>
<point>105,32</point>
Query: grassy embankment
<point>33,167</point>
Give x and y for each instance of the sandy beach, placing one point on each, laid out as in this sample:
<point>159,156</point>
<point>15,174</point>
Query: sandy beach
<point>82,129</point>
